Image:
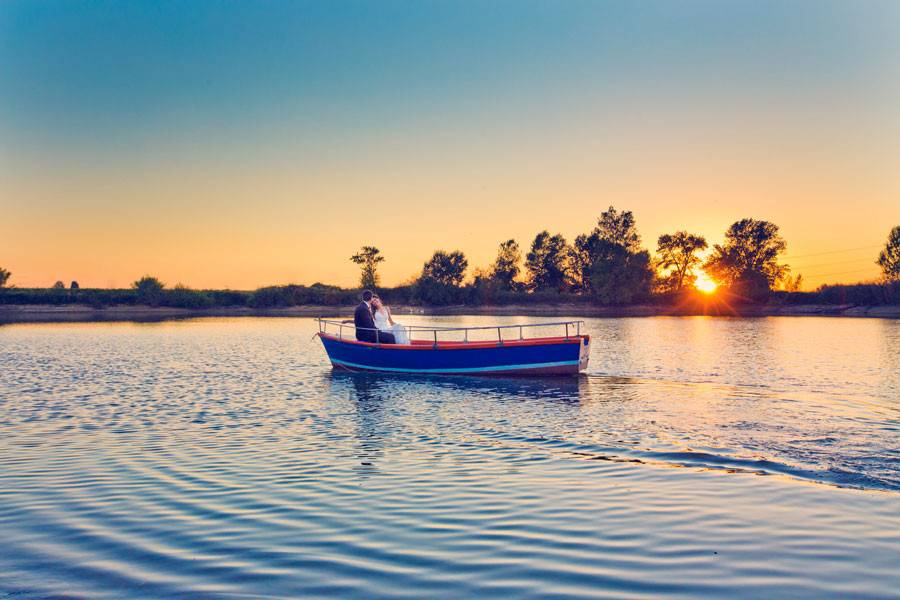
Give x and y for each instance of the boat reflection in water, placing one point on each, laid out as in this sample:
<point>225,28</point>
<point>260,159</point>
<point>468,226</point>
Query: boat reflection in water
<point>368,387</point>
<point>449,411</point>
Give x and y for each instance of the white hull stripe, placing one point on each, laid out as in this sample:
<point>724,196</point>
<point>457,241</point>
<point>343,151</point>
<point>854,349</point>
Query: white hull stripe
<point>564,363</point>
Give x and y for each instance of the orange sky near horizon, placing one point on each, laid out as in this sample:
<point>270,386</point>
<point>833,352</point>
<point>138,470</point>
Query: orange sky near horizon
<point>237,149</point>
<point>242,230</point>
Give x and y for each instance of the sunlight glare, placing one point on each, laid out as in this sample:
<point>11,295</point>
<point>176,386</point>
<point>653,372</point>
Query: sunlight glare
<point>705,284</point>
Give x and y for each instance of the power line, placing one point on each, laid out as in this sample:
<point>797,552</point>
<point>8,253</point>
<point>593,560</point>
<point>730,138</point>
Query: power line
<point>833,251</point>
<point>821,265</point>
<point>833,274</point>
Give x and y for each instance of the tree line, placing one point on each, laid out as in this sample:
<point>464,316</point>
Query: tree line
<point>606,266</point>
<point>609,266</point>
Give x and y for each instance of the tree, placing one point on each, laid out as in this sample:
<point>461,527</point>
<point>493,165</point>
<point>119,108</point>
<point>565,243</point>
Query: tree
<point>368,257</point>
<point>485,288</point>
<point>618,228</point>
<point>59,285</point>
<point>547,262</point>
<point>149,290</point>
<point>619,276</point>
<point>888,259</point>
<point>580,263</point>
<point>506,268</point>
<point>4,276</point>
<point>613,228</point>
<point>441,277</point>
<point>748,260</point>
<point>678,252</point>
<point>446,268</point>
<point>609,263</point>
<point>792,284</point>
<point>73,285</point>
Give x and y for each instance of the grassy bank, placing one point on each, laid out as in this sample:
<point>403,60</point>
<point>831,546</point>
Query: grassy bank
<point>868,294</point>
<point>318,299</point>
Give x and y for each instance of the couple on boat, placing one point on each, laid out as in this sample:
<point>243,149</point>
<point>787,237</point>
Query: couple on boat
<point>374,323</point>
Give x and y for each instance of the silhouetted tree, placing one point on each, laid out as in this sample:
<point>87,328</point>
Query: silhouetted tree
<point>506,268</point>
<point>580,262</point>
<point>620,276</point>
<point>485,288</point>
<point>368,257</point>
<point>748,260</point>
<point>792,284</point>
<point>447,268</point>
<point>441,277</point>
<point>609,263</point>
<point>547,262</point>
<point>4,276</point>
<point>613,228</point>
<point>678,252</point>
<point>73,285</point>
<point>59,285</point>
<point>889,258</point>
<point>618,228</point>
<point>149,290</point>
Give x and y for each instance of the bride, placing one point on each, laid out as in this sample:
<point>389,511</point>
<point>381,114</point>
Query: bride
<point>385,322</point>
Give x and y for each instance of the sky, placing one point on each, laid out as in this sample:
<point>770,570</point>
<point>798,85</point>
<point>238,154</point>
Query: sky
<point>242,144</point>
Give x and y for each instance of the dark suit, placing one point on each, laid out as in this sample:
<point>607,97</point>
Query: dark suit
<point>365,326</point>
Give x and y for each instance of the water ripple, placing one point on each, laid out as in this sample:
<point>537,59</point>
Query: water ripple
<point>222,459</point>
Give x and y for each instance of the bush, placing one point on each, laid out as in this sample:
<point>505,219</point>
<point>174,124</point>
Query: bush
<point>94,297</point>
<point>184,297</point>
<point>861,294</point>
<point>429,291</point>
<point>149,290</point>
<point>402,294</point>
<point>296,295</point>
<point>484,290</point>
<point>272,296</point>
<point>224,298</point>
<point>751,286</point>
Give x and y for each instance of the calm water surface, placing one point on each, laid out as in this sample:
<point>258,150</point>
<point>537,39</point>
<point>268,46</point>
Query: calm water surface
<point>223,459</point>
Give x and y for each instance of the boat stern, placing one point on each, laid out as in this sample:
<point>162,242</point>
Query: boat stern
<point>584,353</point>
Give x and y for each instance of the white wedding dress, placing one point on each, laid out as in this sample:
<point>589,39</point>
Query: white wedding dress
<point>383,323</point>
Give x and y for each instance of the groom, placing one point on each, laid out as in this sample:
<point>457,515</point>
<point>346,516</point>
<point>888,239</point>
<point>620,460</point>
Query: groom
<point>365,323</point>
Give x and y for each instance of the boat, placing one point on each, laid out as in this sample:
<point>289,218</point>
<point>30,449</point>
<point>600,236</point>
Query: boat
<point>495,350</point>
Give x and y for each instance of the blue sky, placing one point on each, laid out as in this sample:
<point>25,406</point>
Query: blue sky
<point>128,68</point>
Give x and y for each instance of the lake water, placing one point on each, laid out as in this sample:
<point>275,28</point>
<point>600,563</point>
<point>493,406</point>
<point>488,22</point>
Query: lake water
<point>222,458</point>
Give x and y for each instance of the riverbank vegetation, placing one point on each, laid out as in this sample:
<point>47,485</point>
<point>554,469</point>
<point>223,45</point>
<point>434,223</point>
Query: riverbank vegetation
<point>607,266</point>
<point>472,294</point>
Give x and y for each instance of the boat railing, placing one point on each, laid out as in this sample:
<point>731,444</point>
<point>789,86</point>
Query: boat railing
<point>345,329</point>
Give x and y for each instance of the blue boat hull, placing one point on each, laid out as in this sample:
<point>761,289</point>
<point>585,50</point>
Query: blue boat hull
<point>551,356</point>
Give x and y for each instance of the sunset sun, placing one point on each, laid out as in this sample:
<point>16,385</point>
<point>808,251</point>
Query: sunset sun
<point>705,284</point>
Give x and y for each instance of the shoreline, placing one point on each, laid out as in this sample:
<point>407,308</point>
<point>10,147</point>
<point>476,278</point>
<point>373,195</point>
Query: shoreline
<point>41,313</point>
